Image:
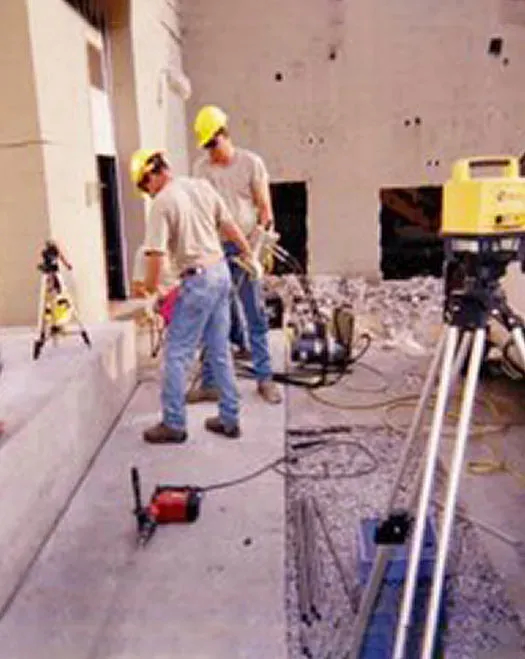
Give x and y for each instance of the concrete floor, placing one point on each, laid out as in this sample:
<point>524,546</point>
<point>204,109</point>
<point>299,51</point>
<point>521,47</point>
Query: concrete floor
<point>212,589</point>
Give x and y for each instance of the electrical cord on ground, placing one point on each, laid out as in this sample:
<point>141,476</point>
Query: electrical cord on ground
<point>513,369</point>
<point>310,448</point>
<point>492,436</point>
<point>319,445</point>
<point>379,389</point>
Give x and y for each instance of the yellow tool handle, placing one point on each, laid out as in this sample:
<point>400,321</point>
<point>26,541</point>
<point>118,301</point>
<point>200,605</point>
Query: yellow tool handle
<point>462,168</point>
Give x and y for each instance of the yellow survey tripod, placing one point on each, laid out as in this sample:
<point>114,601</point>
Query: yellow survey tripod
<point>483,230</point>
<point>55,307</point>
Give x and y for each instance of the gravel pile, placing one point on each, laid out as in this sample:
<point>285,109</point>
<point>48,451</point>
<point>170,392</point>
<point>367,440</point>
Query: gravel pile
<point>350,476</point>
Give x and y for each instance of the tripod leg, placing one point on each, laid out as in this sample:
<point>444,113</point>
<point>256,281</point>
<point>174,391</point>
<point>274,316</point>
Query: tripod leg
<point>83,331</point>
<point>424,497</point>
<point>39,343</point>
<point>426,392</point>
<point>452,490</point>
<point>384,552</point>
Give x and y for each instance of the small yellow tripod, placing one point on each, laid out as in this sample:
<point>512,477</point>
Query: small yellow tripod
<point>55,308</point>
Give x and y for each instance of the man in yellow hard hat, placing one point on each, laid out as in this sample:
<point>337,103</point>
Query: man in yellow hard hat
<point>184,221</point>
<point>241,178</point>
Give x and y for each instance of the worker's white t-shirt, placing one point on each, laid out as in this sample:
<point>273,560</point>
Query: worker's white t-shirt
<point>236,183</point>
<point>184,222</point>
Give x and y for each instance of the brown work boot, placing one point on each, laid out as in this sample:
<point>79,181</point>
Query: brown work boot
<point>269,391</point>
<point>163,434</point>
<point>214,424</point>
<point>242,355</point>
<point>202,395</point>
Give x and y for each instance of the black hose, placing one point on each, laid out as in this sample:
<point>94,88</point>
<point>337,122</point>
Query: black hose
<point>506,356</point>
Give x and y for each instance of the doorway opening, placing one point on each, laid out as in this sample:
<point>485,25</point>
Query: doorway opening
<point>107,175</point>
<point>410,219</point>
<point>290,207</point>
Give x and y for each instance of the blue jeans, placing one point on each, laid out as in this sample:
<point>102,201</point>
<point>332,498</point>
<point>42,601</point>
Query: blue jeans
<point>201,313</point>
<point>251,297</point>
<point>238,329</point>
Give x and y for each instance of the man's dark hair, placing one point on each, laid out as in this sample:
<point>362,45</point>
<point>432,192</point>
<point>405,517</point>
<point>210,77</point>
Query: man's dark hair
<point>156,163</point>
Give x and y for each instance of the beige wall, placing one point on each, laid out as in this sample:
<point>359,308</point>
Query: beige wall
<point>46,178</point>
<point>23,200</point>
<point>62,87</point>
<point>49,182</point>
<point>339,123</point>
<point>148,113</point>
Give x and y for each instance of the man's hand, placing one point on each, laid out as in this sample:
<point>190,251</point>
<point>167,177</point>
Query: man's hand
<point>257,268</point>
<point>251,264</point>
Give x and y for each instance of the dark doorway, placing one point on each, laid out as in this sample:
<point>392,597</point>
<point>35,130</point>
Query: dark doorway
<point>111,220</point>
<point>289,201</point>
<point>410,219</point>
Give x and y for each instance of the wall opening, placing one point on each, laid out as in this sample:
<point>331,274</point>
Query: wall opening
<point>290,207</point>
<point>107,174</point>
<point>410,219</point>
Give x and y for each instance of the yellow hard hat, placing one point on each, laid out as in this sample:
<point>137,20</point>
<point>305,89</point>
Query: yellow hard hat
<point>209,120</point>
<point>141,163</point>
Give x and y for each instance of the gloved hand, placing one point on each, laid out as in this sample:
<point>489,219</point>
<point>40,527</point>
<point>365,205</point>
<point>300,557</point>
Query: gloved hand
<point>256,268</point>
<point>252,265</point>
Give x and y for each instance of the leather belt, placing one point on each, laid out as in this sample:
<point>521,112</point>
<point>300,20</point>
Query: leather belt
<point>191,272</point>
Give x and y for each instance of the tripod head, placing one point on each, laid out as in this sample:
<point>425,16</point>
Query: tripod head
<point>483,228</point>
<point>52,256</point>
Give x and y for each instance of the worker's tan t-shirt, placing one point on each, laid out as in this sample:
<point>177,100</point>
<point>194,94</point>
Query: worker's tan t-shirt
<point>184,221</point>
<point>236,183</point>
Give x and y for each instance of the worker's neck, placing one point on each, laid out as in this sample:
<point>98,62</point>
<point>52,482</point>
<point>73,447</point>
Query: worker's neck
<point>223,155</point>
<point>164,179</point>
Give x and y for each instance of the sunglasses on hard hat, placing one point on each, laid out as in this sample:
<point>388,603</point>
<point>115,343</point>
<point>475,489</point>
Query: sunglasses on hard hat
<point>144,182</point>
<point>212,144</point>
<point>153,166</point>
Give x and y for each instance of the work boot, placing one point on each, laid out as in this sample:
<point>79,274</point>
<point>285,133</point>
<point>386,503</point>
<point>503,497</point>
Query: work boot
<point>214,424</point>
<point>163,434</point>
<point>202,395</point>
<point>242,355</point>
<point>269,391</point>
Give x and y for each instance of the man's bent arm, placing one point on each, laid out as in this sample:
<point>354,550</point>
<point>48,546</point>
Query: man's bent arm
<point>231,231</point>
<point>153,270</point>
<point>263,203</point>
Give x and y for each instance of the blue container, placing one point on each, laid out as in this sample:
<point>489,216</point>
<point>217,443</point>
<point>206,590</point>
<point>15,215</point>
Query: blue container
<point>382,625</point>
<point>397,567</point>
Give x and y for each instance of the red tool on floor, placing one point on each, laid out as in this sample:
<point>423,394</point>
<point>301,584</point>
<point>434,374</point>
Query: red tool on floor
<point>169,503</point>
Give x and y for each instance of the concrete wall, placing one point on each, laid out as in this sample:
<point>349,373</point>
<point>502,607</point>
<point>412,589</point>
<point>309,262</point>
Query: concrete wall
<point>371,94</point>
<point>23,199</point>
<point>49,185</point>
<point>58,412</point>
<point>144,54</point>
<point>59,44</point>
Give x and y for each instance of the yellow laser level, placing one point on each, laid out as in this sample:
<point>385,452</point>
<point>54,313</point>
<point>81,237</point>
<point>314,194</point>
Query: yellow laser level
<point>484,205</point>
